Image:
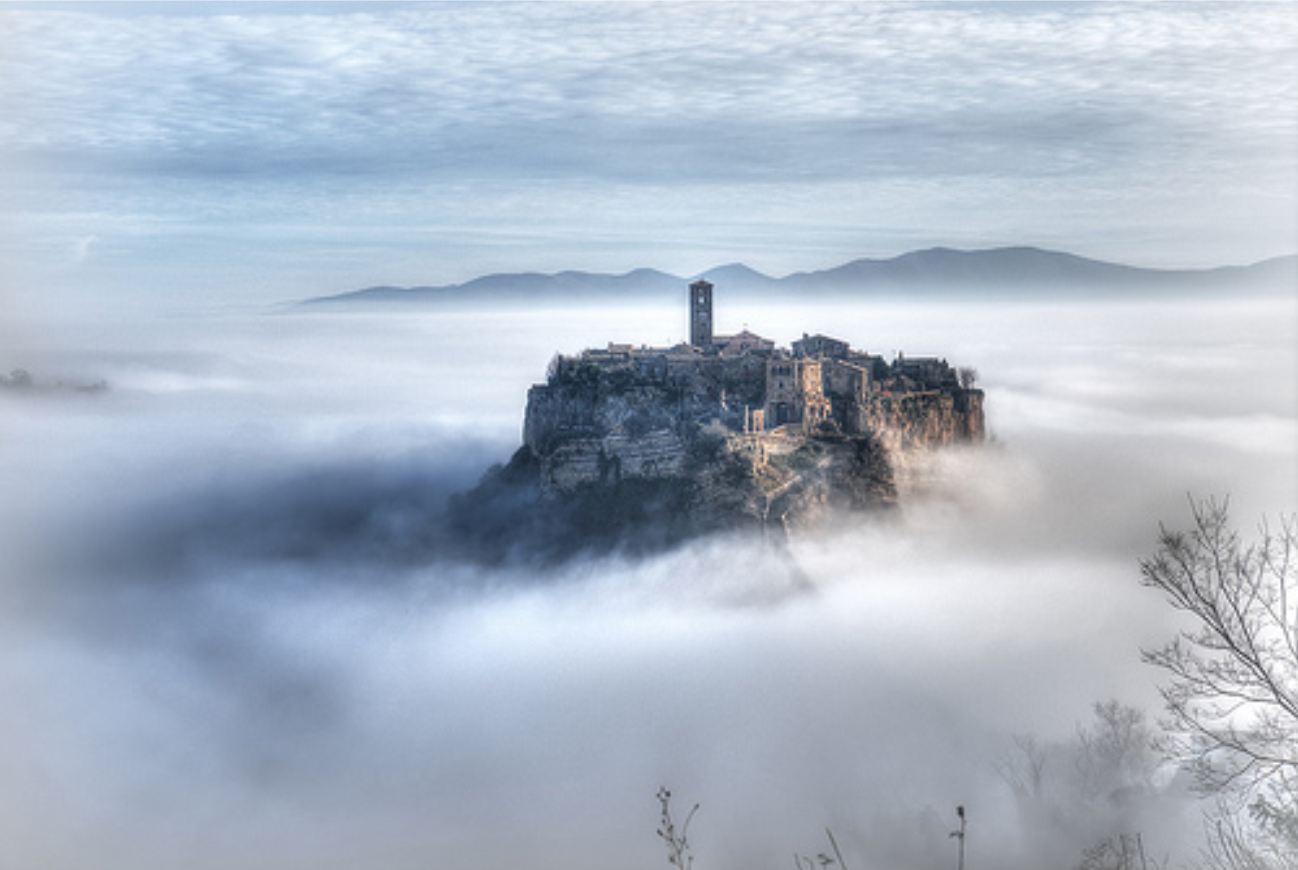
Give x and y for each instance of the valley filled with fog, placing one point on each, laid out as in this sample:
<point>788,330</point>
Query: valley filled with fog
<point>228,638</point>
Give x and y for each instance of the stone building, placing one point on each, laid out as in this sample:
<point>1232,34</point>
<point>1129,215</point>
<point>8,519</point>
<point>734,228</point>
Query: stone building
<point>795,392</point>
<point>927,370</point>
<point>741,344</point>
<point>701,314</point>
<point>820,346</point>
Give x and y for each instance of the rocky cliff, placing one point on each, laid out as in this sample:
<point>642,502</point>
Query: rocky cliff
<point>645,493</point>
<point>643,450</point>
<point>924,420</point>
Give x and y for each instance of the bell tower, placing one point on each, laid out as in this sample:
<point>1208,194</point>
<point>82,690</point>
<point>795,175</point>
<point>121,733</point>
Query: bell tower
<point>701,314</point>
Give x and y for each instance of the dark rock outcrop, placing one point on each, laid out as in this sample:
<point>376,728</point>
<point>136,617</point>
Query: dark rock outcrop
<point>639,450</point>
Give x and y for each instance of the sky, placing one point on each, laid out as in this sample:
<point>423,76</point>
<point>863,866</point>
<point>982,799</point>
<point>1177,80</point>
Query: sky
<point>166,155</point>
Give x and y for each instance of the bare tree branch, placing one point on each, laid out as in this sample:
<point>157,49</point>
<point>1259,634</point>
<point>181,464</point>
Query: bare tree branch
<point>678,843</point>
<point>1232,698</point>
<point>1232,692</point>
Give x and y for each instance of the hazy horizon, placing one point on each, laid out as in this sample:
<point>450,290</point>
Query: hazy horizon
<point>165,156</point>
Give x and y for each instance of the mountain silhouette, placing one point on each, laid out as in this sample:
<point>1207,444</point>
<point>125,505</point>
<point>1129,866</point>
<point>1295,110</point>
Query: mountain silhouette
<point>1016,271</point>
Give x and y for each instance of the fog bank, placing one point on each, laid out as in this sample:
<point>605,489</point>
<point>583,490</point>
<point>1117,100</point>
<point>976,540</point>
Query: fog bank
<point>229,640</point>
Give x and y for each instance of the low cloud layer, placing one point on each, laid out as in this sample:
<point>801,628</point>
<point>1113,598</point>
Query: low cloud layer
<point>227,641</point>
<point>342,87</point>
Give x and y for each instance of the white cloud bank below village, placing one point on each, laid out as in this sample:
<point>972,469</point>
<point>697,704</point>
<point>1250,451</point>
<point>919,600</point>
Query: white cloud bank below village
<point>225,654</point>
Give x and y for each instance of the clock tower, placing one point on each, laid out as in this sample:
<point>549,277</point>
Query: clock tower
<point>701,314</point>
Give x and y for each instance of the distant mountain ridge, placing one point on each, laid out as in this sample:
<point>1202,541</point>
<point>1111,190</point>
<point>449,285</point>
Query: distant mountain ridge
<point>1024,266</point>
<point>1016,271</point>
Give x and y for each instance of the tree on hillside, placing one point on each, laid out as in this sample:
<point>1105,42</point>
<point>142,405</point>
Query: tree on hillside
<point>1023,769</point>
<point>1115,755</point>
<point>1084,800</point>
<point>1232,688</point>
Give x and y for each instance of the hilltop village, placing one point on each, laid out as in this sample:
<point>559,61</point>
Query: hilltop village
<point>636,447</point>
<point>627,411</point>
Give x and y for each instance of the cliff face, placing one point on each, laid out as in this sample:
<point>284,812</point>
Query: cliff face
<point>581,433</point>
<point>641,448</point>
<point>582,437</point>
<point>911,421</point>
<point>778,483</point>
<point>626,490</point>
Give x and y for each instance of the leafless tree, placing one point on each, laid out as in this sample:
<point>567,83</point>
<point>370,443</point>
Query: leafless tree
<point>1023,768</point>
<point>968,376</point>
<point>678,843</point>
<point>1232,688</point>
<point>1115,755</point>
<point>1232,845</point>
<point>1090,792</point>
<point>803,862</point>
<point>1125,852</point>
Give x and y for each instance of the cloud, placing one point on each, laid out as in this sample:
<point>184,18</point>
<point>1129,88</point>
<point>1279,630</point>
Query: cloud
<point>82,248</point>
<point>556,90</point>
<point>256,154</point>
<point>232,646</point>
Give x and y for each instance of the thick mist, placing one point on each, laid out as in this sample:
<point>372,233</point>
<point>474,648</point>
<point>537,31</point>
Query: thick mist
<point>228,636</point>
